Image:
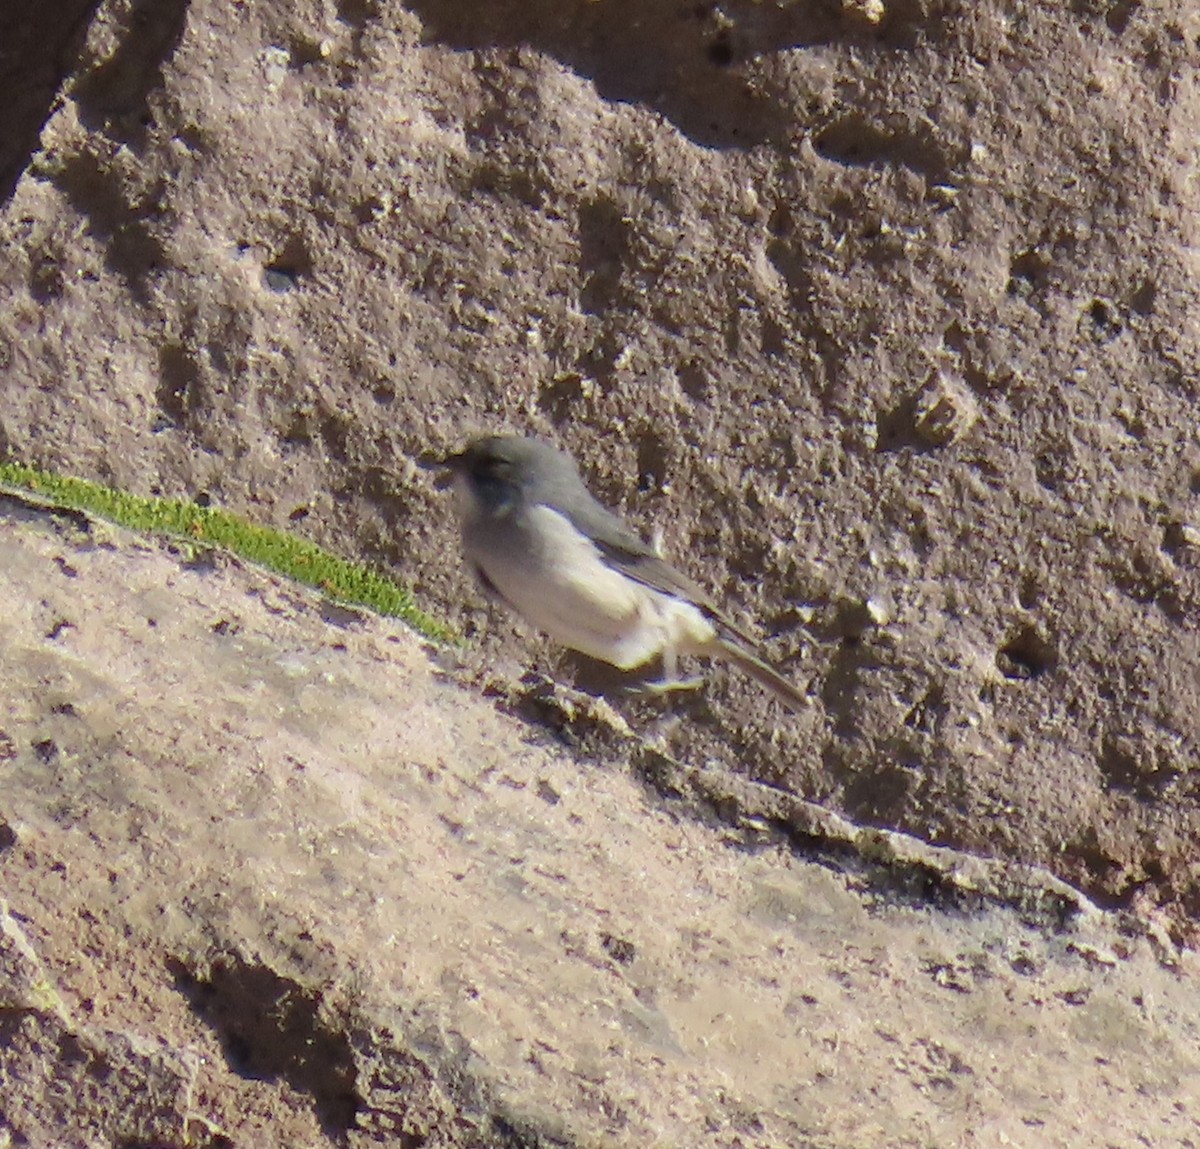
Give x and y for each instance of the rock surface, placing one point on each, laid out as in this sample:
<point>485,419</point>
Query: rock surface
<point>885,313</point>
<point>272,880</point>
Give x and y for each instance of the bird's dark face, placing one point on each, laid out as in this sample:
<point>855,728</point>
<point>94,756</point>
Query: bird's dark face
<point>491,474</point>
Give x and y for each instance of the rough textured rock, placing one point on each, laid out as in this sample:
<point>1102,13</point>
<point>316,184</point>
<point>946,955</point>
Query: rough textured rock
<point>884,312</point>
<point>255,900</point>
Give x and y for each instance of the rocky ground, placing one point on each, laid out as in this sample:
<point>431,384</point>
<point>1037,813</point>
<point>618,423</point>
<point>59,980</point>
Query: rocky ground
<point>885,313</point>
<point>270,879</point>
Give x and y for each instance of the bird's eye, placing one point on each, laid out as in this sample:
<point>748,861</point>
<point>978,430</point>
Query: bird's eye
<point>493,483</point>
<point>494,468</point>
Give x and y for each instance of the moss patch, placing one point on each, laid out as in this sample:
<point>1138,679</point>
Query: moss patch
<point>277,551</point>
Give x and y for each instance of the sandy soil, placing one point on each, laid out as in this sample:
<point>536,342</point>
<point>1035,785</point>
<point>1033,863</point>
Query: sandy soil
<point>271,879</point>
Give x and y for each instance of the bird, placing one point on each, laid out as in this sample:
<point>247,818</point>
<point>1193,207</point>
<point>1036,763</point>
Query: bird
<point>538,541</point>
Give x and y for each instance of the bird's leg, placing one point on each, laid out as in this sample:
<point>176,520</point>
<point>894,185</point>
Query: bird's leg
<point>670,681</point>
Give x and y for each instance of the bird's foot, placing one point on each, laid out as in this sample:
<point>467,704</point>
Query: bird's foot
<point>665,686</point>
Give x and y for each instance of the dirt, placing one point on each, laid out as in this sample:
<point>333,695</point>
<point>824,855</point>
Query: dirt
<point>885,316</point>
<point>272,877</point>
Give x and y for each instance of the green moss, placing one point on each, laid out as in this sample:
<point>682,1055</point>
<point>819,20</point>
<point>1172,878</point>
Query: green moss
<point>305,562</point>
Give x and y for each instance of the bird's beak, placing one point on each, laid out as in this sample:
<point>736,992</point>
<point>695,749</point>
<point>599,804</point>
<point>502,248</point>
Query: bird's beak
<point>445,466</point>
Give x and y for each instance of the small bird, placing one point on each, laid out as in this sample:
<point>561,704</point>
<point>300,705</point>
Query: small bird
<point>537,540</point>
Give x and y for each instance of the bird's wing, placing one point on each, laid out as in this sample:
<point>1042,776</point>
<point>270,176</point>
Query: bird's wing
<point>625,551</point>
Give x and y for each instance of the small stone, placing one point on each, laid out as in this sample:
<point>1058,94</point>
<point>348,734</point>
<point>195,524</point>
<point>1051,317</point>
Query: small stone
<point>869,11</point>
<point>944,410</point>
<point>275,62</point>
<point>1179,536</point>
<point>749,203</point>
<point>878,612</point>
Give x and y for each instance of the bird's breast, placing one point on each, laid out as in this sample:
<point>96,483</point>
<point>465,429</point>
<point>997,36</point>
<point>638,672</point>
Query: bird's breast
<point>553,575</point>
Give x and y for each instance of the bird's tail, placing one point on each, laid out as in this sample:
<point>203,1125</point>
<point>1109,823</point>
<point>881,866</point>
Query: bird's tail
<point>762,673</point>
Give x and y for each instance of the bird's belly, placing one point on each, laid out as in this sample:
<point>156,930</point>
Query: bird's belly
<point>558,580</point>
